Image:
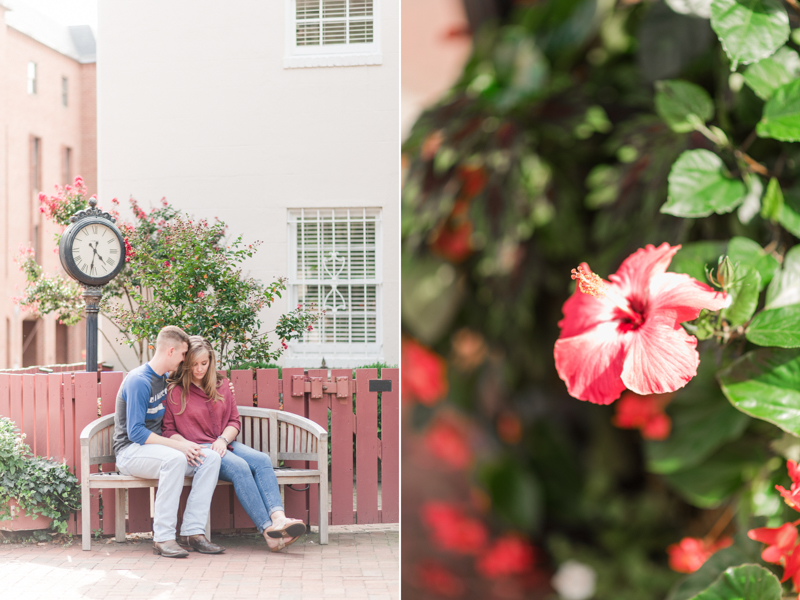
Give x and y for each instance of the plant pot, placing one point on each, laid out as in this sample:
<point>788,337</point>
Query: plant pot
<point>19,522</point>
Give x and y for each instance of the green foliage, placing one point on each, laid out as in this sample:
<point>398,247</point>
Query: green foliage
<point>683,105</point>
<point>38,485</point>
<point>699,186</point>
<point>781,120</point>
<point>749,29</point>
<point>767,75</point>
<point>749,582</point>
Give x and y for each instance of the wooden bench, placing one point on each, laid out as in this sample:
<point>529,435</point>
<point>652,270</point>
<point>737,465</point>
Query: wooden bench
<point>282,435</point>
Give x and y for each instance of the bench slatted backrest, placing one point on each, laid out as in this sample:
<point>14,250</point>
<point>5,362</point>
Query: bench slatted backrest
<point>101,444</point>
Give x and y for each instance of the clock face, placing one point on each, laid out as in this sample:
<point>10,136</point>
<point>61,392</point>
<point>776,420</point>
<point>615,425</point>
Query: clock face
<point>96,250</point>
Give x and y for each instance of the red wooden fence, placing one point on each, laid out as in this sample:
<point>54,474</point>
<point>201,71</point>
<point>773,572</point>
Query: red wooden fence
<point>52,409</point>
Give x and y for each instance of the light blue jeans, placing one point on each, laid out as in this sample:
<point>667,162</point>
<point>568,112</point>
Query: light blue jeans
<point>169,466</point>
<point>254,481</point>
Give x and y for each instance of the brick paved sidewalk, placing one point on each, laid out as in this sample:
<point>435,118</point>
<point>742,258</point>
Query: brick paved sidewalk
<point>361,561</point>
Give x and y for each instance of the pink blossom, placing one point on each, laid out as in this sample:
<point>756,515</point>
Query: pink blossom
<point>201,294</point>
<point>310,328</point>
<point>626,333</point>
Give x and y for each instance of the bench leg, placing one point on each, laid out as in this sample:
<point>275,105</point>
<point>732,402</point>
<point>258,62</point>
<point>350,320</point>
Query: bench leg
<point>323,510</point>
<point>86,516</point>
<point>119,513</point>
<point>208,527</point>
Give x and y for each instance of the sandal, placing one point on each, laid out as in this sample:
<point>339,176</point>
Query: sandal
<point>289,528</point>
<point>280,545</point>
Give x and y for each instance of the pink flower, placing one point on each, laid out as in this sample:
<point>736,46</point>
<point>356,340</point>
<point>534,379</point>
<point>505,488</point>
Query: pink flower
<point>311,328</point>
<point>780,541</point>
<point>201,294</point>
<point>509,555</point>
<point>626,333</point>
<point>645,413</point>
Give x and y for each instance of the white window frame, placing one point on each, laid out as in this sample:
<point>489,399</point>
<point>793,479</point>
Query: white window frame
<point>336,355</point>
<point>32,78</point>
<point>338,55</point>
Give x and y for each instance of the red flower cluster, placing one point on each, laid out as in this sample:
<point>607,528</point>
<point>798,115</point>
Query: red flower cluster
<point>424,374</point>
<point>452,529</point>
<point>509,555</point>
<point>446,441</point>
<point>690,553</point>
<point>645,413</point>
<point>626,333</point>
<point>782,547</point>
<point>792,495</point>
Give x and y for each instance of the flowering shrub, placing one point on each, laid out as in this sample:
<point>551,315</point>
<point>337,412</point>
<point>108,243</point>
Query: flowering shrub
<point>656,142</point>
<point>180,272</point>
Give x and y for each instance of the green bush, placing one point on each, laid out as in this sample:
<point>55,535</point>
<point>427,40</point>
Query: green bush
<point>40,486</point>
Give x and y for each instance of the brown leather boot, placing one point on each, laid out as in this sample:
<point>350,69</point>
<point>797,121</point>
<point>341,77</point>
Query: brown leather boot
<point>169,549</point>
<point>199,543</point>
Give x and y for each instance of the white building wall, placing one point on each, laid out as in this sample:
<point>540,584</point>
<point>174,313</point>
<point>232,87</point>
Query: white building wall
<point>194,105</point>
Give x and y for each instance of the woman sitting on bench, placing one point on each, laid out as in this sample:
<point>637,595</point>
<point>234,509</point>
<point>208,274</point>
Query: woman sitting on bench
<point>200,408</point>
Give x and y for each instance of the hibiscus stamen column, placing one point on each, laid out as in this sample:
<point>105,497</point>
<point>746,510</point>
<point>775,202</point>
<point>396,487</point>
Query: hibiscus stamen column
<point>593,285</point>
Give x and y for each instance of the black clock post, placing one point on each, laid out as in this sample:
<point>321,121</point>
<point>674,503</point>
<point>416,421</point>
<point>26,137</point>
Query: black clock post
<point>92,251</point>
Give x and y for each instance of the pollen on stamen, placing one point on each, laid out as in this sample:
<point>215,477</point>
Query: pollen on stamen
<point>588,282</point>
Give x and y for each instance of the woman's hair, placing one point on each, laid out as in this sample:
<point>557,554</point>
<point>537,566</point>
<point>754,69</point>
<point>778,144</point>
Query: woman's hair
<point>182,377</point>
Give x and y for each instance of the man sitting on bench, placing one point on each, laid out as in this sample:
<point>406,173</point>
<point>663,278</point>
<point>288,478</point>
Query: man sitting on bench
<point>142,452</point>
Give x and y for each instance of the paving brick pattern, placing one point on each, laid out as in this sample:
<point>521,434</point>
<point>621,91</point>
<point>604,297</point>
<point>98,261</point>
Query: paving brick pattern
<point>359,562</point>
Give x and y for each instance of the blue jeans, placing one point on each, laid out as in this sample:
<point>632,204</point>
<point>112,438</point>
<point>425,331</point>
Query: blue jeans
<point>254,481</point>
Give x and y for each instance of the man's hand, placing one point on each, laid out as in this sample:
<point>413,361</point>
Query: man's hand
<point>220,447</point>
<point>192,452</point>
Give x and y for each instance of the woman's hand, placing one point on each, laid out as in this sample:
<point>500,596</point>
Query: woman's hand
<point>220,447</point>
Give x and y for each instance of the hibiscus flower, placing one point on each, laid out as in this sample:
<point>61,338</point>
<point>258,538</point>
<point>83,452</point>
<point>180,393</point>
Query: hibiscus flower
<point>626,332</point>
<point>780,541</point>
<point>690,554</point>
<point>792,495</point>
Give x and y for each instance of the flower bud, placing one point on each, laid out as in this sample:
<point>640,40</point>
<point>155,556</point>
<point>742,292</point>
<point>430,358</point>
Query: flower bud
<point>726,272</point>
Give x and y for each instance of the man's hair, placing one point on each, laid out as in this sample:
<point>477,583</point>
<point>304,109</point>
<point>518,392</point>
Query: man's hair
<point>171,337</point>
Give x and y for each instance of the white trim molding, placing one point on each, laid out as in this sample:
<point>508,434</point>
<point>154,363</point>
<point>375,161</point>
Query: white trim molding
<point>347,26</point>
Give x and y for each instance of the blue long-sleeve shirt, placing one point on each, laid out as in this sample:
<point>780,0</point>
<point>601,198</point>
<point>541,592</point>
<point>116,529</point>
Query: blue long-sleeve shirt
<point>139,409</point>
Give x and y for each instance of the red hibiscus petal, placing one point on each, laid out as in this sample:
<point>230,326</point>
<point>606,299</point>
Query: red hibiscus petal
<point>657,428</point>
<point>583,312</point>
<point>591,363</point>
<point>661,356</point>
<point>765,535</point>
<point>772,554</point>
<point>684,295</point>
<point>636,271</point>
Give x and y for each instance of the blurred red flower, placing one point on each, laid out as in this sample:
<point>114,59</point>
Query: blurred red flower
<point>452,529</point>
<point>447,442</point>
<point>792,495</point>
<point>690,553</point>
<point>645,413</point>
<point>424,374</point>
<point>438,579</point>
<point>626,333</point>
<point>509,555</point>
<point>453,241</point>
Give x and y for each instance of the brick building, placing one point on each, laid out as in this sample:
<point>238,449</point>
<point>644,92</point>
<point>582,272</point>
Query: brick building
<point>48,135</point>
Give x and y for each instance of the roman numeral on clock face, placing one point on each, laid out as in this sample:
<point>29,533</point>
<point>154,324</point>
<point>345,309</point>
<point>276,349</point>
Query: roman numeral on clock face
<point>110,261</point>
<point>114,251</point>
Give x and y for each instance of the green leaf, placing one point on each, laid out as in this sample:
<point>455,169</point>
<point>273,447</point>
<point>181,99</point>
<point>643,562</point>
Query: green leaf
<point>765,384</point>
<point>745,296</point>
<point>746,582</point>
<point>702,421</point>
<point>750,254</point>
<point>790,214</point>
<point>515,493</point>
<point>752,201</point>
<point>767,75</point>
<point>785,288</point>
<point>693,258</point>
<point>683,105</point>
<point>697,8</point>
<point>749,30</point>
<point>781,118</point>
<point>698,186</point>
<point>710,483</point>
<point>772,205</point>
<point>706,575</point>
<point>776,327</point>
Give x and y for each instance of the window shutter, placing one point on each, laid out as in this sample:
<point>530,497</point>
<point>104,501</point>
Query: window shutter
<point>336,255</point>
<point>334,22</point>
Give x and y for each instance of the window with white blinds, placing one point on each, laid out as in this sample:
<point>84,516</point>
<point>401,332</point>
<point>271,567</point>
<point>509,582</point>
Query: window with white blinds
<point>335,264</point>
<point>332,32</point>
